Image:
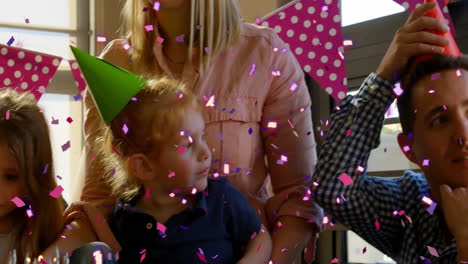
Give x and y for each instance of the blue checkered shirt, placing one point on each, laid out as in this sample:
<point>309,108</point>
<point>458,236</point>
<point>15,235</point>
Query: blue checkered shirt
<point>387,212</point>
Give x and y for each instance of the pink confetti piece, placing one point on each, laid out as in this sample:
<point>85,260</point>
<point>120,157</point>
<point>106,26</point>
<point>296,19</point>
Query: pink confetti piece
<point>252,69</point>
<point>26,21</point>
<point>149,28</point>
<point>364,250</point>
<point>143,255</point>
<point>377,224</point>
<point>293,87</point>
<point>180,38</point>
<point>125,129</point>
<point>116,151</point>
<point>335,260</point>
<point>157,6</point>
<point>29,212</point>
<point>181,150</point>
<point>70,120</point>
<point>161,227</point>
<point>425,163</point>
<point>199,26</point>
<point>66,146</point>
<point>7,115</point>
<point>345,179</point>
<point>459,73</point>
<point>201,257</point>
<point>42,261</point>
<point>397,90</point>
<point>159,39</point>
<point>148,192</point>
<point>172,174</point>
<point>432,251</point>
<point>54,121</point>
<point>18,202</point>
<point>207,50</point>
<point>56,192</point>
<point>406,148</point>
<point>435,76</point>
<point>348,132</point>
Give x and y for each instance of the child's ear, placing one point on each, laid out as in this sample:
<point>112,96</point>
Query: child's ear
<point>406,145</point>
<point>140,166</point>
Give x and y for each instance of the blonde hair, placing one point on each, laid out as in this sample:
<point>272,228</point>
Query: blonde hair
<point>215,24</point>
<point>26,134</point>
<point>152,119</point>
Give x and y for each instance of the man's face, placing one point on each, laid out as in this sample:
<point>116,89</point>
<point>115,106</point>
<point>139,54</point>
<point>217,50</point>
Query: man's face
<point>440,131</point>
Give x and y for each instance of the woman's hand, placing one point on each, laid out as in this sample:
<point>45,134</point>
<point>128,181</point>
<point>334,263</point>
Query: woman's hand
<point>412,40</point>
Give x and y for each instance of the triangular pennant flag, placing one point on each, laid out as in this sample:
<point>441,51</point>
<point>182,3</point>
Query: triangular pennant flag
<point>26,70</point>
<point>410,5</point>
<point>77,75</point>
<point>313,31</point>
<point>112,87</point>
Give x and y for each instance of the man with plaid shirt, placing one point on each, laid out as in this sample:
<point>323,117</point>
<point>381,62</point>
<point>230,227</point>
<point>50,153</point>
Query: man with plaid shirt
<point>415,218</point>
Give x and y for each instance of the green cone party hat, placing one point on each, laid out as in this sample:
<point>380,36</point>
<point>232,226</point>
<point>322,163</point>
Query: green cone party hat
<point>112,87</point>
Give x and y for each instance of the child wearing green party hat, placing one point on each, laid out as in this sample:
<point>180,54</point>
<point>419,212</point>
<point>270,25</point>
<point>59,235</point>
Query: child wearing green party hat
<point>168,210</point>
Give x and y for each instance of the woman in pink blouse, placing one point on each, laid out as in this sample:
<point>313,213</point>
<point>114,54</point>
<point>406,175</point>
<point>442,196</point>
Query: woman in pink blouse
<point>257,113</point>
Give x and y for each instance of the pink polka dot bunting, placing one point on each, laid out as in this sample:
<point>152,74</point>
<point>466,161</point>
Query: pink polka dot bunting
<point>410,5</point>
<point>26,71</point>
<point>313,31</point>
<point>77,75</point>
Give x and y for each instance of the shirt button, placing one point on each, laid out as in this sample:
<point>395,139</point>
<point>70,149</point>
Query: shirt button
<point>149,225</point>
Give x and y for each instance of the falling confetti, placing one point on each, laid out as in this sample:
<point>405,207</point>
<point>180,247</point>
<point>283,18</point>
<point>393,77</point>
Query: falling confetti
<point>66,146</point>
<point>125,129</point>
<point>56,192</point>
<point>210,102</point>
<point>12,39</point>
<point>181,150</point>
<point>18,202</point>
<point>432,251</point>
<point>69,120</point>
<point>149,28</point>
<point>345,179</point>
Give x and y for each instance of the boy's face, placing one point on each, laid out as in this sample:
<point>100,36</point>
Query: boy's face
<point>440,131</point>
<point>9,181</point>
<point>185,166</point>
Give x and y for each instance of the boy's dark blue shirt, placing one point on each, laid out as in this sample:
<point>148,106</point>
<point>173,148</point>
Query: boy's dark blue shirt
<point>216,229</point>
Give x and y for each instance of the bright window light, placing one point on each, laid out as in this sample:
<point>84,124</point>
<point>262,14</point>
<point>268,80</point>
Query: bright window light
<point>357,11</point>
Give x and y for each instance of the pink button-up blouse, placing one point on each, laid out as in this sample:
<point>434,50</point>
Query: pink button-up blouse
<point>259,129</point>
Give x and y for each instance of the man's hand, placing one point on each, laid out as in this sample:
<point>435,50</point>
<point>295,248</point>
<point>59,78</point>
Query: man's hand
<point>412,40</point>
<point>455,208</point>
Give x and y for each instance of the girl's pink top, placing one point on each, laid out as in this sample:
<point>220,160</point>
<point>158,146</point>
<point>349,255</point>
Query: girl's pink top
<point>259,129</point>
